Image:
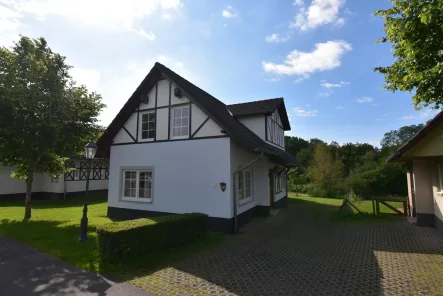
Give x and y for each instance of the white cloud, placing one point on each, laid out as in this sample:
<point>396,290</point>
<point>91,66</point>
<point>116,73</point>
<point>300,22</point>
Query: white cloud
<point>319,12</point>
<point>407,117</point>
<point>88,77</point>
<point>298,3</point>
<point>104,14</point>
<point>275,38</point>
<point>302,78</point>
<point>229,12</point>
<point>339,107</point>
<point>148,35</point>
<point>325,56</point>
<point>364,100</point>
<point>274,79</point>
<point>324,94</point>
<point>421,115</point>
<point>306,113</point>
<point>326,84</point>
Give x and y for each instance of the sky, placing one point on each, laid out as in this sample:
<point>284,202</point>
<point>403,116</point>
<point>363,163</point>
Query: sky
<point>319,55</point>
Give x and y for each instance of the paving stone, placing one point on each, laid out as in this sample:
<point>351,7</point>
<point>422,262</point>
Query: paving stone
<point>297,253</point>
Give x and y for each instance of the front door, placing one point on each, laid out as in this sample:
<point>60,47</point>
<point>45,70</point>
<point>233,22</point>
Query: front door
<point>271,188</point>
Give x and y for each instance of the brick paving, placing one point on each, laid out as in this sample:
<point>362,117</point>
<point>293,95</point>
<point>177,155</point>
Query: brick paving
<point>300,253</point>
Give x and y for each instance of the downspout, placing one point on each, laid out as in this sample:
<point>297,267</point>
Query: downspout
<point>235,203</point>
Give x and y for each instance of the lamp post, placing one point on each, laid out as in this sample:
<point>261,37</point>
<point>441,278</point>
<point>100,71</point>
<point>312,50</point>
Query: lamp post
<point>90,150</point>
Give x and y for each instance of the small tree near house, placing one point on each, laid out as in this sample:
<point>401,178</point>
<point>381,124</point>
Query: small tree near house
<point>44,114</point>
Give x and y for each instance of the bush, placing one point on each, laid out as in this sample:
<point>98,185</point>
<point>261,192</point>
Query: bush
<point>128,239</point>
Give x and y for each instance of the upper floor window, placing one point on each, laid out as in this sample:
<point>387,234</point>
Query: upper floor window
<point>275,133</point>
<point>148,126</point>
<point>180,122</point>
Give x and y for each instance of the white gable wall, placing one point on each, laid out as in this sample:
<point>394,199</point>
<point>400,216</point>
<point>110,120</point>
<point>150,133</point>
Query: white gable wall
<point>255,124</point>
<point>162,101</point>
<point>186,176</point>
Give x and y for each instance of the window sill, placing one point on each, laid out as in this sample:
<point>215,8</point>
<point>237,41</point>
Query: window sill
<point>146,140</point>
<point>137,199</point>
<point>245,201</point>
<point>180,137</point>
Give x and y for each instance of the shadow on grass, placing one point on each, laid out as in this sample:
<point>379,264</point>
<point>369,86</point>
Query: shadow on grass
<point>60,239</point>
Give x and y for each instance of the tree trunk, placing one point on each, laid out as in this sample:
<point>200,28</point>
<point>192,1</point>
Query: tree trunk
<point>29,180</point>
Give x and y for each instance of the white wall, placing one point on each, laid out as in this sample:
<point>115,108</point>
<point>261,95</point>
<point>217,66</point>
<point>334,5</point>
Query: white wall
<point>162,124</point>
<point>198,117</point>
<point>423,186</point>
<point>76,186</point>
<point>174,99</point>
<point>151,103</point>
<point>187,176</point>
<point>241,157</point>
<point>9,185</point>
<point>161,92</point>
<point>255,124</point>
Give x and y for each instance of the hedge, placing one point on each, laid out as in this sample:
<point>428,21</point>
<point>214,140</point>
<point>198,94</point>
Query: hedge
<point>129,239</point>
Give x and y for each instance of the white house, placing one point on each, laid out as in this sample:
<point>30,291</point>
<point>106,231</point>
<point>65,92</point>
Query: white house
<point>174,148</point>
<point>70,184</point>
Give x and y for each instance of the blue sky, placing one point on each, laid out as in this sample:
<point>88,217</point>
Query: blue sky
<point>319,55</point>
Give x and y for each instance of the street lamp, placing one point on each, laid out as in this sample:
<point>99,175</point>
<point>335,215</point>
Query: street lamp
<point>90,150</point>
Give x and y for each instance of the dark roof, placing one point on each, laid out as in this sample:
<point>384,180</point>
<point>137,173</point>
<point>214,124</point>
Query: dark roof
<point>430,125</point>
<point>214,108</point>
<point>262,107</point>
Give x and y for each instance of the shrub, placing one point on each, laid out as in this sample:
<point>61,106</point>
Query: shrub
<point>128,239</point>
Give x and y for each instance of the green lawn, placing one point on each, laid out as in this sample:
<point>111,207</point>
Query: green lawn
<point>54,229</point>
<point>320,206</point>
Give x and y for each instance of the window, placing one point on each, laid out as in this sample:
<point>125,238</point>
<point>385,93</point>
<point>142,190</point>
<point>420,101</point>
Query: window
<point>137,185</point>
<point>148,126</point>
<point>180,124</point>
<point>244,186</point>
<point>280,182</point>
<point>440,192</point>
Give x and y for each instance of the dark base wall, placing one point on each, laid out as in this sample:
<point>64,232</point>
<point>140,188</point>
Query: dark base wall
<point>281,203</point>
<point>51,196</point>
<point>217,224</point>
<point>439,224</point>
<point>425,219</point>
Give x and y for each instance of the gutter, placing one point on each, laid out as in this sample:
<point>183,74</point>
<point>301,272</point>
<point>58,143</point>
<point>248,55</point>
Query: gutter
<point>234,200</point>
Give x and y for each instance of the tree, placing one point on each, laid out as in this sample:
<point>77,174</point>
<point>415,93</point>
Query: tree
<point>325,170</point>
<point>45,116</point>
<point>396,138</point>
<point>415,30</point>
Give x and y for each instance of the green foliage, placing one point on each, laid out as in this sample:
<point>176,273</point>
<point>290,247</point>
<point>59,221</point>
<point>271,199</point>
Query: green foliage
<point>415,30</point>
<point>297,181</point>
<point>326,170</point>
<point>129,239</point>
<point>45,116</point>
<point>396,138</point>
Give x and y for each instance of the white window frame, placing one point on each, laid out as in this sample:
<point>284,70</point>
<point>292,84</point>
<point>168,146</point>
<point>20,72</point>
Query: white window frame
<point>181,126</point>
<point>246,199</point>
<point>141,126</point>
<point>137,182</point>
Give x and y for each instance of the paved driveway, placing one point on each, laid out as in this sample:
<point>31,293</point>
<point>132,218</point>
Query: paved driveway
<point>25,271</point>
<point>300,252</point>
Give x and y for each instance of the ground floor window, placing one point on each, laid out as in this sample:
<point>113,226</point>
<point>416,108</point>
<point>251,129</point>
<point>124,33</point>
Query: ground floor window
<point>244,186</point>
<point>279,182</point>
<point>137,185</point>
